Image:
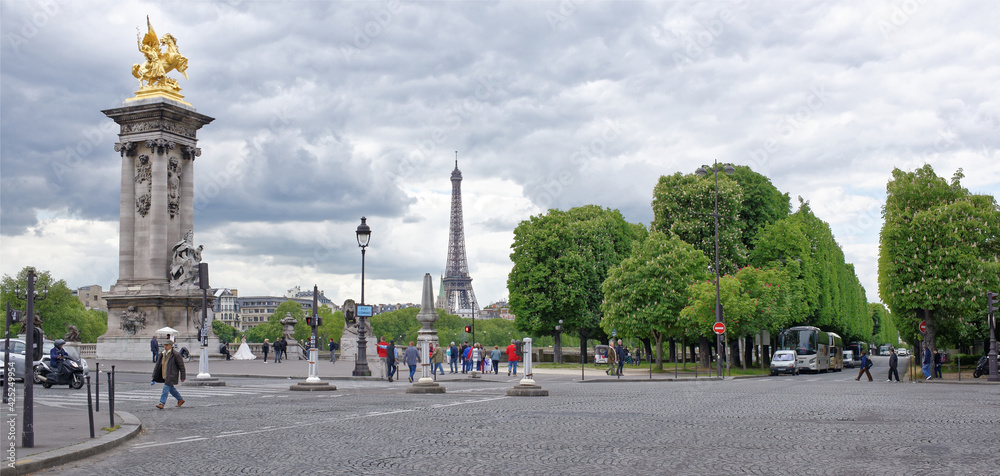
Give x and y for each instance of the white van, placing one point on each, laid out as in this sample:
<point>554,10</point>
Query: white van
<point>783,361</point>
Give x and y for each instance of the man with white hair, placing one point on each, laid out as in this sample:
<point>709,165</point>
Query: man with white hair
<point>168,370</point>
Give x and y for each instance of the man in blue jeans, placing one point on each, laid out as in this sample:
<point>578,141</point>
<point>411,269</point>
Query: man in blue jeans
<point>928,355</point>
<point>155,347</point>
<point>411,357</point>
<point>168,370</point>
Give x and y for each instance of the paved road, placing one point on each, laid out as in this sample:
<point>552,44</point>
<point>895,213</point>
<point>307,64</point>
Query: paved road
<point>811,424</point>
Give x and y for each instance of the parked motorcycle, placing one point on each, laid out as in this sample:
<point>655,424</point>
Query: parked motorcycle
<point>71,373</point>
<point>982,367</point>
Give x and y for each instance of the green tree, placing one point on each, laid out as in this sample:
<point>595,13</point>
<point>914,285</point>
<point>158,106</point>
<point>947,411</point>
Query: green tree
<point>681,204</point>
<point>644,294</point>
<point>939,253</point>
<point>225,332</point>
<point>560,261</point>
<point>884,326</point>
<point>56,305</point>
<point>763,204</point>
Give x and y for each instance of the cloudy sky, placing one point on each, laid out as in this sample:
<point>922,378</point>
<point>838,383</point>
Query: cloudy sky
<point>328,111</point>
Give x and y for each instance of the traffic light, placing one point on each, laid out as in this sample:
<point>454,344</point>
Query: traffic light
<point>310,319</point>
<point>468,329</point>
<point>991,303</point>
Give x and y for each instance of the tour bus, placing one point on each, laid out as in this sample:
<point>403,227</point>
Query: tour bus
<point>884,349</point>
<point>836,351</point>
<point>810,343</point>
<point>857,347</point>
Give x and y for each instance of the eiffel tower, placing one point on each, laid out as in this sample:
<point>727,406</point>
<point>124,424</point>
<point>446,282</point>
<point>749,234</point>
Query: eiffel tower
<point>457,296</point>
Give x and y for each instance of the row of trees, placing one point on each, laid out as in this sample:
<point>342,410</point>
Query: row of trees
<point>939,253</point>
<point>58,310</point>
<point>600,274</point>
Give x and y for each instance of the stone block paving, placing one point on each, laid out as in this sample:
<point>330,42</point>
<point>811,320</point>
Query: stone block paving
<point>822,424</point>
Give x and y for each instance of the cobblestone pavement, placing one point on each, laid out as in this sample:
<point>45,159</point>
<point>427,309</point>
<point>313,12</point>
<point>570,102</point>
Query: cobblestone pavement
<point>812,424</point>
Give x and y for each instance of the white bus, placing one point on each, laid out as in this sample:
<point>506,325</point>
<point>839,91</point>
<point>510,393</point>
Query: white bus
<point>811,344</point>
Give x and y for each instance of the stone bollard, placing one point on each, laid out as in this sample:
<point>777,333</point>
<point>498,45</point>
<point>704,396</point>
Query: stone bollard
<point>527,387</point>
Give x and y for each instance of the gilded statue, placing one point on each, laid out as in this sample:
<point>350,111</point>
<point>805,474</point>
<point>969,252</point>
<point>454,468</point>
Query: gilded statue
<point>158,62</point>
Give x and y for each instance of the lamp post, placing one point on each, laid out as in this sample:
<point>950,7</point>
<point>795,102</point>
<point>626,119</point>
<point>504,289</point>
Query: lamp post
<point>364,234</point>
<point>701,172</point>
<point>557,344</point>
<point>30,331</point>
<point>203,359</point>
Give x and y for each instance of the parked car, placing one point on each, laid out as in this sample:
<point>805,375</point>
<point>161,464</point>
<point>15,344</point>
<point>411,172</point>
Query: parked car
<point>783,362</point>
<point>902,352</point>
<point>849,359</point>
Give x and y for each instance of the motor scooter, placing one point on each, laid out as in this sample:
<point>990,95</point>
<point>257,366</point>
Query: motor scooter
<point>70,373</point>
<point>982,367</point>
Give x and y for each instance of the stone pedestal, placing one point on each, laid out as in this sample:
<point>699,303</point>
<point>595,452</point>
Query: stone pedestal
<point>157,260</point>
<point>527,386</point>
<point>426,336</point>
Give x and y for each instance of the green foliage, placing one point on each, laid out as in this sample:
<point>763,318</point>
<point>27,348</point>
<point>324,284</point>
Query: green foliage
<point>560,261</point>
<point>58,310</point>
<point>225,332</point>
<point>403,326</point>
<point>939,251</point>
<point>762,205</point>
<point>753,299</point>
<point>680,204</point>
<point>884,326</point>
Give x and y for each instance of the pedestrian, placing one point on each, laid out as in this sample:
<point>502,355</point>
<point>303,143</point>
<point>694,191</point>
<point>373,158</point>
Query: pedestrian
<point>620,355</point>
<point>512,358</point>
<point>168,370</point>
<point>463,356</point>
<point>927,362</point>
<point>382,347</point>
<point>893,360</point>
<point>495,357</point>
<point>264,348</point>
<point>612,357</point>
<point>333,351</point>
<point>437,359</point>
<point>866,363</point>
<point>277,351</point>
<point>938,362</point>
<point>477,357</point>
<point>453,360</point>
<point>487,362</point>
<point>284,347</point>
<point>224,350</point>
<point>390,359</point>
<point>411,358</point>
<point>155,347</point>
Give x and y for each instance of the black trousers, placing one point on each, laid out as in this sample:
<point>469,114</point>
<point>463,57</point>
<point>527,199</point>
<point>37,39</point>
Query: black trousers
<point>892,371</point>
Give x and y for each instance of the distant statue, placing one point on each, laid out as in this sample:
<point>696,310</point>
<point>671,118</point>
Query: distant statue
<point>158,63</point>
<point>184,265</point>
<point>73,335</point>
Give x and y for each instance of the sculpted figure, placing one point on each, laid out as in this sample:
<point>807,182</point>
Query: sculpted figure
<point>183,267</point>
<point>158,63</point>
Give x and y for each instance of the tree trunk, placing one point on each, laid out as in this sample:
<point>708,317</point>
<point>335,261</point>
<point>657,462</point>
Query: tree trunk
<point>649,348</point>
<point>749,349</point>
<point>583,346</point>
<point>931,335</point>
<point>557,347</point>
<point>673,350</point>
<point>706,356</point>
<point>734,351</point>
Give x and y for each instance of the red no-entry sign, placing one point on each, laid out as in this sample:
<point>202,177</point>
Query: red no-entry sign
<point>923,327</point>
<point>719,328</point>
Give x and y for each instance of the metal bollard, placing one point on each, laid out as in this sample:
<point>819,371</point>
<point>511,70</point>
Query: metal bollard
<point>90,409</point>
<point>111,401</point>
<point>97,390</point>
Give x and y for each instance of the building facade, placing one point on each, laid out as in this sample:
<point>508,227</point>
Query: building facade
<point>92,297</point>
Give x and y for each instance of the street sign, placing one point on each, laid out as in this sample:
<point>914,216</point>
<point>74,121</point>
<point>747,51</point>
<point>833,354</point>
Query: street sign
<point>719,328</point>
<point>923,327</point>
<point>364,311</point>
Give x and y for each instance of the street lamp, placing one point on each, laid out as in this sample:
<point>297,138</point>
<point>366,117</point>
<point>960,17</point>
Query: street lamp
<point>364,235</point>
<point>31,334</point>
<point>701,172</point>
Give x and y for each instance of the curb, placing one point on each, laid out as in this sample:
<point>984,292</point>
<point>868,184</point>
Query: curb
<point>129,428</point>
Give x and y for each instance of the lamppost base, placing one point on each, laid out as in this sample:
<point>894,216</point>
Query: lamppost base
<point>204,382</point>
<point>527,390</point>
<point>308,386</point>
<point>423,387</point>
<point>361,371</point>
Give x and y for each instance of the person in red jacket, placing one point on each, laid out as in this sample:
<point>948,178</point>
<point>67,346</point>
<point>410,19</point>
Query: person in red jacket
<point>512,358</point>
<point>382,346</point>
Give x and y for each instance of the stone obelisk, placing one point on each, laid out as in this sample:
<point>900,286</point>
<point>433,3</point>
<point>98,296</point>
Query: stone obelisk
<point>157,259</point>
<point>425,336</point>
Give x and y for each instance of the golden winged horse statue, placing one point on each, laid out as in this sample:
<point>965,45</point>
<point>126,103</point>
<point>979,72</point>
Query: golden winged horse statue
<point>158,63</point>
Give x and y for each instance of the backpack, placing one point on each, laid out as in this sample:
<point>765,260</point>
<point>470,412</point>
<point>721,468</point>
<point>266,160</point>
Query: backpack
<point>869,364</point>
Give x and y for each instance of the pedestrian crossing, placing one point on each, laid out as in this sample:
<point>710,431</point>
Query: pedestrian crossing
<point>76,398</point>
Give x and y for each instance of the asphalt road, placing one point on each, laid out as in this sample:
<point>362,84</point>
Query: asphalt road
<point>809,424</point>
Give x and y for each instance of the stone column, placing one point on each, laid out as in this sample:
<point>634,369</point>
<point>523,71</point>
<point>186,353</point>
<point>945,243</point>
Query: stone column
<point>425,336</point>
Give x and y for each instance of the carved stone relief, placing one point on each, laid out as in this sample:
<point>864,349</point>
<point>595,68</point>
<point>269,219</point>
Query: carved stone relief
<point>143,193</point>
<point>173,186</point>
<point>157,125</point>
<point>160,146</point>
<point>125,148</point>
<point>133,321</point>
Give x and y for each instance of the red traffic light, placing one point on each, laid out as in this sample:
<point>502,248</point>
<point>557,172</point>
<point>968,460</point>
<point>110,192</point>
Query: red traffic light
<point>468,329</point>
<point>991,303</point>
